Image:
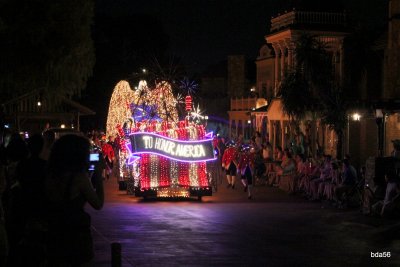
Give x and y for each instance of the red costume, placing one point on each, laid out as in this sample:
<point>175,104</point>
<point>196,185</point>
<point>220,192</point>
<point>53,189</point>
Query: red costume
<point>108,151</point>
<point>246,159</point>
<point>230,155</point>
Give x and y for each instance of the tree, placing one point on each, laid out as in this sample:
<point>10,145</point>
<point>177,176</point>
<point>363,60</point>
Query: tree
<point>295,94</point>
<point>45,45</point>
<point>311,87</point>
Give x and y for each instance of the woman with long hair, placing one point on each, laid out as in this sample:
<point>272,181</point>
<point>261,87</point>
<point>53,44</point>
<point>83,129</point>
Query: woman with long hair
<point>68,189</point>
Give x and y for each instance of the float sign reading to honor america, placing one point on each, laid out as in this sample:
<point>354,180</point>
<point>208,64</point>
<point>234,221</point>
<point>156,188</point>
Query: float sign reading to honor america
<point>188,151</point>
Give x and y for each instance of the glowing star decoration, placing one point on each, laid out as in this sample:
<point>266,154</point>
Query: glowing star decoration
<point>131,158</point>
<point>209,135</point>
<point>144,113</point>
<point>118,109</point>
<point>196,114</point>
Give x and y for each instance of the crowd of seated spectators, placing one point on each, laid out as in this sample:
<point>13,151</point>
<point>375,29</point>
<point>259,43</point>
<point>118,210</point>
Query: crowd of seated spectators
<point>316,178</point>
<point>320,177</point>
<point>323,178</point>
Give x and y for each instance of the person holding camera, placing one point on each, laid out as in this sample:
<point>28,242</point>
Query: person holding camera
<point>68,189</point>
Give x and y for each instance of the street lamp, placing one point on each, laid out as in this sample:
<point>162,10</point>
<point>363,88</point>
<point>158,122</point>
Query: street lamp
<point>250,128</point>
<point>356,117</point>
<point>379,117</point>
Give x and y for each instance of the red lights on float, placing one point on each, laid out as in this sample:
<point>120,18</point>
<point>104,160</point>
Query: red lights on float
<point>161,171</point>
<point>177,171</point>
<point>188,103</point>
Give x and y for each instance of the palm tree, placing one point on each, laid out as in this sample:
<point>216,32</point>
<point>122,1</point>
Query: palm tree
<point>311,87</point>
<point>295,92</point>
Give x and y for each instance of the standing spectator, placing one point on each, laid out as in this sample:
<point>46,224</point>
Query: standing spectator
<point>221,147</point>
<point>68,189</point>
<point>240,140</point>
<point>48,138</point>
<point>258,142</point>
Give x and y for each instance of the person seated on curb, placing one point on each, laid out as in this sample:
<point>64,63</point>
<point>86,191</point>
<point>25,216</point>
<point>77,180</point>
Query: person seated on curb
<point>286,172</point>
<point>391,203</point>
<point>301,169</point>
<point>312,172</point>
<point>328,187</point>
<point>325,175</point>
<point>349,179</point>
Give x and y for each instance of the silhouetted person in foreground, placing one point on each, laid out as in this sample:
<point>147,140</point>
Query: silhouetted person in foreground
<point>16,151</point>
<point>68,188</point>
<point>31,176</point>
<point>3,233</point>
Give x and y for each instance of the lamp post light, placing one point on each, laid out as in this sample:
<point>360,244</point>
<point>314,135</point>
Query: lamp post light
<point>250,128</point>
<point>380,121</point>
<point>356,117</point>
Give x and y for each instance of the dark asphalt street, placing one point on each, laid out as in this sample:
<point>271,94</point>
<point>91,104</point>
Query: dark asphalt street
<point>227,229</point>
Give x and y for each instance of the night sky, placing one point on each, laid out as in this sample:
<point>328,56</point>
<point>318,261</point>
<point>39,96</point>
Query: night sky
<point>199,32</point>
<point>204,32</point>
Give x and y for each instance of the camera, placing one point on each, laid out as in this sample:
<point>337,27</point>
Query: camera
<point>93,159</point>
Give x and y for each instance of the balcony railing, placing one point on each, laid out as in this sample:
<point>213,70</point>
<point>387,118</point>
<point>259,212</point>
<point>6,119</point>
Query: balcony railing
<point>306,17</point>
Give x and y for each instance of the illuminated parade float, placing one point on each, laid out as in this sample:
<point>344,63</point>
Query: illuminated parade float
<point>159,155</point>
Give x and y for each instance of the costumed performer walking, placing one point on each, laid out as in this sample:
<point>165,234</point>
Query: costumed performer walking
<point>229,163</point>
